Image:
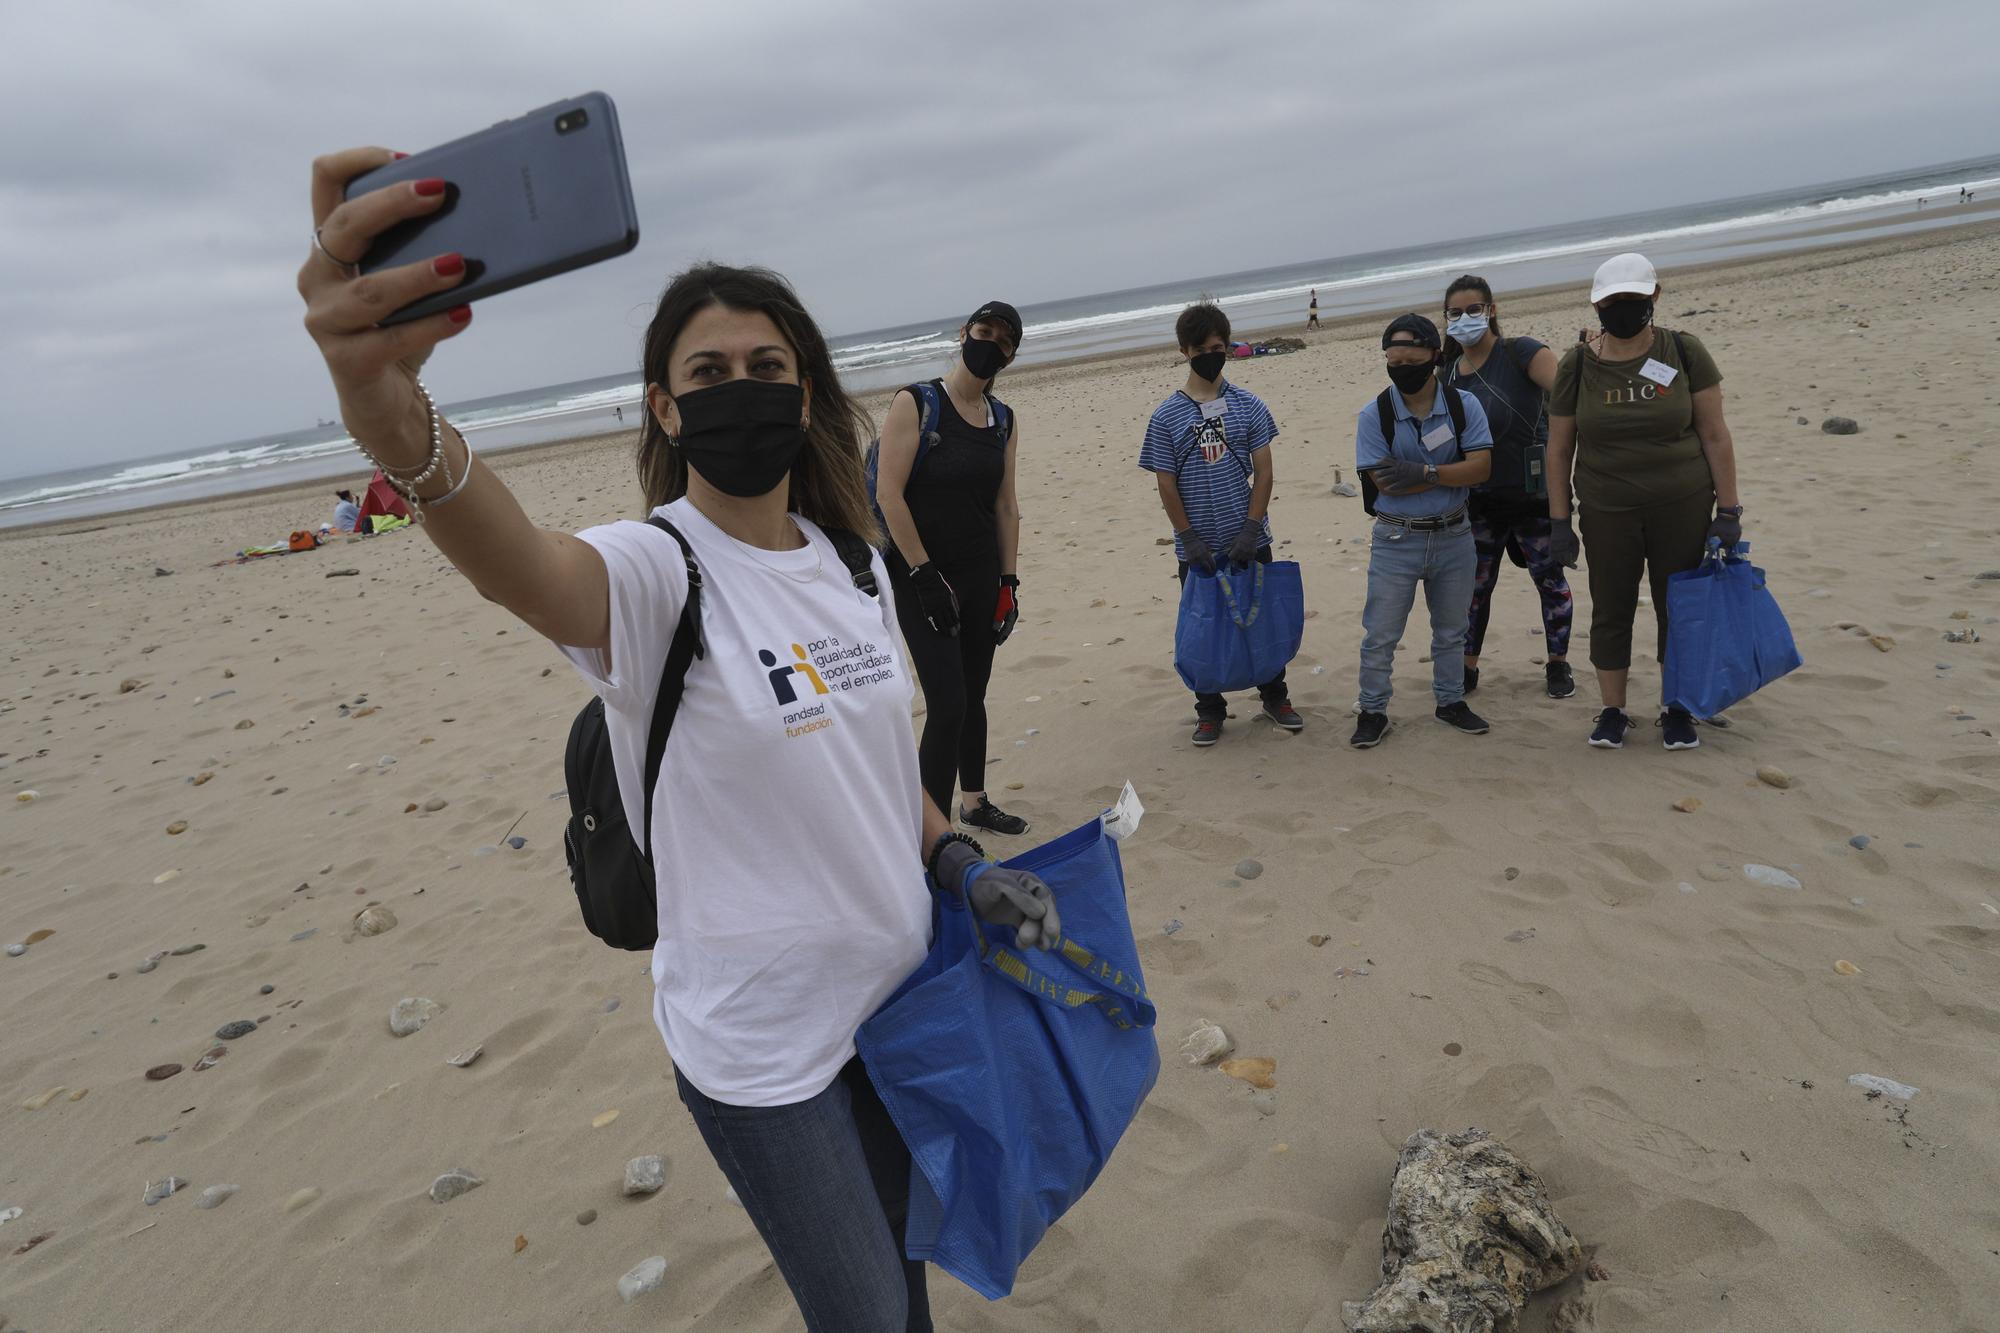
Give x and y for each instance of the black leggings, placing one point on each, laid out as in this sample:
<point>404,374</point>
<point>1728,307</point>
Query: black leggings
<point>953,672</point>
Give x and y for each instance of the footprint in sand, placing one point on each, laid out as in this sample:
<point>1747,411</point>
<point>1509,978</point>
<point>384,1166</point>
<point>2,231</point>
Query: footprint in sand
<point>1544,1005</point>
<point>1624,1131</point>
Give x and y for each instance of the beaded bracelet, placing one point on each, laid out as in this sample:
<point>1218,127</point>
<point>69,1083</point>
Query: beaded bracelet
<point>434,462</point>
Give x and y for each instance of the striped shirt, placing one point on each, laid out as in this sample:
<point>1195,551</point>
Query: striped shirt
<point>1209,455</point>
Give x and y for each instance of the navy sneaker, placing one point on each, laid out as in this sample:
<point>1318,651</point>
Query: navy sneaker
<point>1562,681</point>
<point>1461,718</point>
<point>1612,724</point>
<point>1677,730</point>
<point>1286,716</point>
<point>1368,732</point>
<point>992,818</point>
<point>1207,731</point>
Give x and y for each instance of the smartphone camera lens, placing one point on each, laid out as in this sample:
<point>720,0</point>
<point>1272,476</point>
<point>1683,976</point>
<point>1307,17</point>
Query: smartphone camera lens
<point>571,121</point>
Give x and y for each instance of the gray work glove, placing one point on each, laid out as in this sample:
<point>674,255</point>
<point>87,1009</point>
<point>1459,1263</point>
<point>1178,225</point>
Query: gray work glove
<point>1727,529</point>
<point>1564,547</point>
<point>1195,551</point>
<point>1398,474</point>
<point>1244,546</point>
<point>1004,897</point>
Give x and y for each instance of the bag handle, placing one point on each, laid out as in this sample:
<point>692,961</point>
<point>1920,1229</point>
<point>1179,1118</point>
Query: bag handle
<point>1256,596</point>
<point>1107,988</point>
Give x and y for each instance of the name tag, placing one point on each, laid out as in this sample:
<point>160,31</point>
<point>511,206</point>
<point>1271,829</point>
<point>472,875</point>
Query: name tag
<point>1214,408</point>
<point>1658,372</point>
<point>1439,437</point>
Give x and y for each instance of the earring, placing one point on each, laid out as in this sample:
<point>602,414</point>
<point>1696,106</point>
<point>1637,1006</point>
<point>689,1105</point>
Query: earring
<point>673,441</point>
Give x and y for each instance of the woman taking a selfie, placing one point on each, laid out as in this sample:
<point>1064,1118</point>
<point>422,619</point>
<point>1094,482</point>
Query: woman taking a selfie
<point>1639,410</point>
<point>955,528</point>
<point>789,858</point>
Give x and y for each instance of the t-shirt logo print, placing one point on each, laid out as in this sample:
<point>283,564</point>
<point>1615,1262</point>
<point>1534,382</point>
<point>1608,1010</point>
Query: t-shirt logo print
<point>781,676</point>
<point>1208,434</point>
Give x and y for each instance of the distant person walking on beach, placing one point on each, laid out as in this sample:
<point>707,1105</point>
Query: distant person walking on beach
<point>789,830</point>
<point>1638,409</point>
<point>346,511</point>
<point>955,532</point>
<point>1424,446</point>
<point>1312,310</point>
<point>1510,509</point>
<point>1208,447</point>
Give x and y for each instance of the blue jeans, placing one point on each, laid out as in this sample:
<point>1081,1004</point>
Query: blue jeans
<point>1398,560</point>
<point>827,1183</point>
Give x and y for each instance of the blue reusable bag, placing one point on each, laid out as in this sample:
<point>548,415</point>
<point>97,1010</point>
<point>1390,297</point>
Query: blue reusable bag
<point>1726,637</point>
<point>1238,627</point>
<point>1012,1074</point>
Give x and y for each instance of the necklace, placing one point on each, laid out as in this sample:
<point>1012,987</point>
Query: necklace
<point>819,559</point>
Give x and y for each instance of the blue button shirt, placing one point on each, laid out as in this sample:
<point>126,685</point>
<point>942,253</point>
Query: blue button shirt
<point>1371,450</point>
<point>1211,460</point>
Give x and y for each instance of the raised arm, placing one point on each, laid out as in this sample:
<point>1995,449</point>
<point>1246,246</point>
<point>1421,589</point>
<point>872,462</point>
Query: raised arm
<point>554,582</point>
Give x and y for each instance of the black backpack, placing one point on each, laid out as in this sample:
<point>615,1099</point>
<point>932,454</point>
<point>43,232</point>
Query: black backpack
<point>1385,413</point>
<point>609,865</point>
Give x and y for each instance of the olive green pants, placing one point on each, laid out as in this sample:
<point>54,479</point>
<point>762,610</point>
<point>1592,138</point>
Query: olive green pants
<point>1658,540</point>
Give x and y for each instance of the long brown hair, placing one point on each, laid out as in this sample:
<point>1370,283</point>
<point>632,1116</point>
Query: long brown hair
<point>1470,282</point>
<point>827,485</point>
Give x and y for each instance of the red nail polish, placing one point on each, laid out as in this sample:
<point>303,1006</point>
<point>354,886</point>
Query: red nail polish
<point>459,314</point>
<point>399,156</point>
<point>430,187</point>
<point>448,266</point>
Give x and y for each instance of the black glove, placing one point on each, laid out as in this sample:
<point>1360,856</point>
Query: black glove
<point>939,601</point>
<point>1007,609</point>
<point>1195,551</point>
<point>1726,529</point>
<point>1004,897</point>
<point>1564,548</point>
<point>1398,474</point>
<point>1248,541</point>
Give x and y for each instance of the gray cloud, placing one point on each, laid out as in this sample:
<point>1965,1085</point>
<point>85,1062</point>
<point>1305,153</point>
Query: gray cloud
<point>898,160</point>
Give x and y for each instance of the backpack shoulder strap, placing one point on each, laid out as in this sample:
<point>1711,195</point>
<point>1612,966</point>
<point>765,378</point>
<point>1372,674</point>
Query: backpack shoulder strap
<point>681,654</point>
<point>1003,416</point>
<point>926,394</point>
<point>1385,416</point>
<point>858,556</point>
<point>1454,403</point>
<point>1680,347</point>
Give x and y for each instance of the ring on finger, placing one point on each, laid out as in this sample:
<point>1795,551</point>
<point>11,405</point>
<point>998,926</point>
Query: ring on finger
<point>347,270</point>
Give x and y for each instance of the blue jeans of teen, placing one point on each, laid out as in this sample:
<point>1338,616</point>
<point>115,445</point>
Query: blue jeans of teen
<point>1398,560</point>
<point>827,1184</point>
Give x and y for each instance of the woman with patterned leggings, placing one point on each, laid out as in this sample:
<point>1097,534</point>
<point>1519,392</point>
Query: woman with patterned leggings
<point>1510,511</point>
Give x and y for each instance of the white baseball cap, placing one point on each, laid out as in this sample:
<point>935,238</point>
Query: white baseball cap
<point>1629,272</point>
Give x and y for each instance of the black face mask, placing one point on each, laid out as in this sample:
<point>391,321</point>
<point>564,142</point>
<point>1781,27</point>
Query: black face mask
<point>1624,319</point>
<point>1412,378</point>
<point>1208,365</point>
<point>983,357</point>
<point>742,436</point>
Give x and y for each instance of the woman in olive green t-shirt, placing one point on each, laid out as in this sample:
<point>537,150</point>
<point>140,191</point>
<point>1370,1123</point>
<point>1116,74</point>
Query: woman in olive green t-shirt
<point>1638,409</point>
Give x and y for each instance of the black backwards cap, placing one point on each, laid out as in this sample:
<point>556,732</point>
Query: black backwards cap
<point>998,312</point>
<point>1422,330</point>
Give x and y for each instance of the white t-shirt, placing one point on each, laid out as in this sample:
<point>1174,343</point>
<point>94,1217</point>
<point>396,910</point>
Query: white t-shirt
<point>788,820</point>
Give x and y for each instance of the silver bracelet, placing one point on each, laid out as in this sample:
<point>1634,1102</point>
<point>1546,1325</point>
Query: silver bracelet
<point>452,494</point>
<point>433,463</point>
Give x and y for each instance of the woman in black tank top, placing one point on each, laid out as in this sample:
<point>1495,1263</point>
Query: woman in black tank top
<point>946,488</point>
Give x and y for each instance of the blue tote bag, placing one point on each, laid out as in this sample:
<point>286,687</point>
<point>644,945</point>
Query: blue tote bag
<point>1726,637</point>
<point>1012,1073</point>
<point>1238,627</point>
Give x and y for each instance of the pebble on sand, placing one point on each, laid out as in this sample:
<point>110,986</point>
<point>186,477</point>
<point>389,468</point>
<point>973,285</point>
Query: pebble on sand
<point>1259,1071</point>
<point>1772,776</point>
<point>16,950</point>
<point>517,842</point>
<point>1206,1044</point>
<point>245,724</point>
<point>302,1198</point>
<point>129,684</point>
<point>435,804</point>
<point>464,1058</point>
<point>603,1118</point>
<point>648,1276</point>
<point>166,876</point>
<point>1839,426</point>
<point>586,1217</point>
<point>242,1027</point>
<point>1845,968</point>
<point>370,921</point>
<point>179,826</point>
<point>160,1073</point>
<point>1687,805</point>
<point>1859,842</point>
<point>41,1099</point>
<point>410,1013</point>
<point>1249,869</point>
<point>215,1196</point>
<point>645,1175</point>
<point>1771,877</point>
<point>266,989</point>
<point>453,1183</point>
<point>185,949</point>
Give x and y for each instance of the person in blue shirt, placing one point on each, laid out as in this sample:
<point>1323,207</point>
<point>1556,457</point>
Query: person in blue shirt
<point>1424,467</point>
<point>346,513</point>
<point>1209,449</point>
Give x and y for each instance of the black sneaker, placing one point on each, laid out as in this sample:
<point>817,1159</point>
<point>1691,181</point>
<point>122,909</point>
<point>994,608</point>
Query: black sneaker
<point>1207,731</point>
<point>1471,679</point>
<point>1368,732</point>
<point>1286,716</point>
<point>992,818</point>
<point>1562,681</point>
<point>1462,718</point>
<point>1677,730</point>
<point>1612,724</point>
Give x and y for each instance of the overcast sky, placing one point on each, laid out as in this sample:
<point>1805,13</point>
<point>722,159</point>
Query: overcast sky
<point>897,160</point>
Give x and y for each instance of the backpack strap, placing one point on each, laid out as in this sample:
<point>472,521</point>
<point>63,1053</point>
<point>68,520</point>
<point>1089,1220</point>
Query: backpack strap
<point>858,556</point>
<point>1454,404</point>
<point>681,654</point>
<point>1385,416</point>
<point>1003,417</point>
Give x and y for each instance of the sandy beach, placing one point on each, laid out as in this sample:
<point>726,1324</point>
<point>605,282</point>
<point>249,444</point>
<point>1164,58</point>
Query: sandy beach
<point>1512,931</point>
